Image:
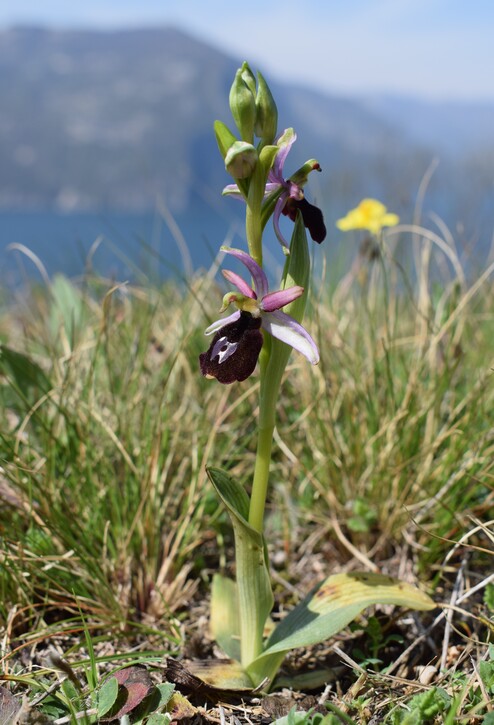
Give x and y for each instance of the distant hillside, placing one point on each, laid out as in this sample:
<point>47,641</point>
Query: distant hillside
<point>116,119</point>
<point>93,119</point>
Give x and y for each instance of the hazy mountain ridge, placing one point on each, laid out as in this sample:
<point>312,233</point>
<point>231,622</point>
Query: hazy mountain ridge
<point>116,119</point>
<point>103,119</point>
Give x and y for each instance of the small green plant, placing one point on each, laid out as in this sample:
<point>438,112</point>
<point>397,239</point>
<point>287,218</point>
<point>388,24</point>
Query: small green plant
<point>78,693</point>
<point>422,709</point>
<point>377,641</point>
<point>299,717</point>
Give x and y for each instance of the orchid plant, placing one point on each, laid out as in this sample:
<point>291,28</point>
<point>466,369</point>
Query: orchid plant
<point>264,328</point>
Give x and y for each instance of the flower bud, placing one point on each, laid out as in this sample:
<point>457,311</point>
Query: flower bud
<point>267,113</point>
<point>248,77</point>
<point>241,160</point>
<point>243,103</point>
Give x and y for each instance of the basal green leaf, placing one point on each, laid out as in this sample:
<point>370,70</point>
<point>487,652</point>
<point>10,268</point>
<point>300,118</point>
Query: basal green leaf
<point>224,620</point>
<point>328,609</point>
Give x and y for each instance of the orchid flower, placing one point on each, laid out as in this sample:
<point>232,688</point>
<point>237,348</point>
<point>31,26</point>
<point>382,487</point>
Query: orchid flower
<point>292,196</point>
<point>235,348</point>
<point>290,192</point>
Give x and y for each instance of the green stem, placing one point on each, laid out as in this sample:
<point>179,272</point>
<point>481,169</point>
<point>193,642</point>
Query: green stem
<point>253,217</point>
<point>253,612</point>
<point>261,477</point>
<point>267,417</point>
<point>253,231</point>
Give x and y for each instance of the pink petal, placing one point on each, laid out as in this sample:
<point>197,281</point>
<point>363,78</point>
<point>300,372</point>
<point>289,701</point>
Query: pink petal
<point>275,300</point>
<point>280,159</point>
<point>258,275</point>
<point>239,283</point>
<point>276,219</point>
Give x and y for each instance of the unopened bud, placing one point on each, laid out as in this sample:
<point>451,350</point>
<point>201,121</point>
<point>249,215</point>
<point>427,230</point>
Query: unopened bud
<point>241,159</point>
<point>243,104</point>
<point>267,113</point>
<point>248,77</point>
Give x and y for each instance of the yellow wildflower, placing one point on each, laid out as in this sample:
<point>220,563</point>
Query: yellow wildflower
<point>370,214</point>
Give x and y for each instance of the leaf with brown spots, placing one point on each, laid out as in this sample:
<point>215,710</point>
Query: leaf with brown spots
<point>330,607</point>
<point>214,679</point>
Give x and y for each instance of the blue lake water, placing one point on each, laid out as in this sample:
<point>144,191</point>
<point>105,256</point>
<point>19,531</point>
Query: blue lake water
<point>144,247</point>
<point>115,245</point>
<point>147,247</point>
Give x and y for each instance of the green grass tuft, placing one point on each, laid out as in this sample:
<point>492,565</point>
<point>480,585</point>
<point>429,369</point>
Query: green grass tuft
<point>384,455</point>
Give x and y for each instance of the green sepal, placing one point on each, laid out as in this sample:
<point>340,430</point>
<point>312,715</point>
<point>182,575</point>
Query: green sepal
<point>255,598</point>
<point>224,621</point>
<point>266,157</point>
<point>300,177</point>
<point>330,607</point>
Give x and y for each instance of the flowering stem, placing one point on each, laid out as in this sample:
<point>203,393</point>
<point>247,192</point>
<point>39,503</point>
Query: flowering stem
<point>253,217</point>
<point>253,231</point>
<point>252,616</point>
<point>267,413</point>
<point>261,477</point>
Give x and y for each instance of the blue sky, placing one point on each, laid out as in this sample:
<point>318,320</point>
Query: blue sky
<point>439,49</point>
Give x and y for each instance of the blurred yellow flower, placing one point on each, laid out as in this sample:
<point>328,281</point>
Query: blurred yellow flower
<point>370,214</point>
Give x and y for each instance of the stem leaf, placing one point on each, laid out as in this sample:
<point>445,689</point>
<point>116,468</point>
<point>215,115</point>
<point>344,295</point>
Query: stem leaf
<point>255,598</point>
<point>231,492</point>
<point>224,137</point>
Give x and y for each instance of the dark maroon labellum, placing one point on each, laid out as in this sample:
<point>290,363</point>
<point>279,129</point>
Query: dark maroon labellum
<point>311,215</point>
<point>233,353</point>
